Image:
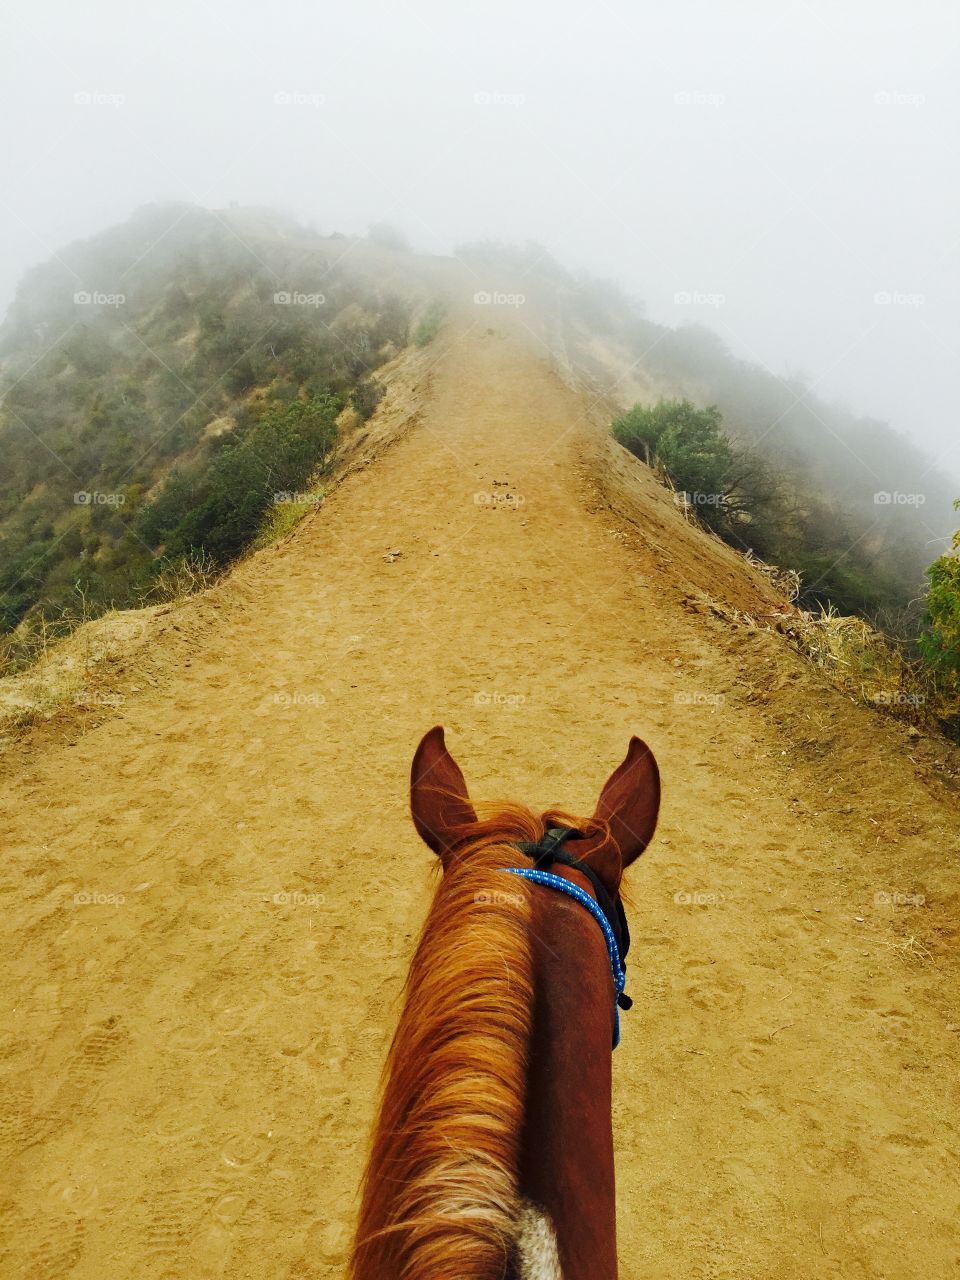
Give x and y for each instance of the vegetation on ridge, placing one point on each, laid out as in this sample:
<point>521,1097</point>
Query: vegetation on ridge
<point>161,383</point>
<point>170,384</point>
<point>744,502</point>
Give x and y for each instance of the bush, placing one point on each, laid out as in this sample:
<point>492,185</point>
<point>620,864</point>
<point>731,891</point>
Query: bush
<point>429,324</point>
<point>176,579</point>
<point>940,640</point>
<point>366,395</point>
<point>220,511</point>
<point>688,444</point>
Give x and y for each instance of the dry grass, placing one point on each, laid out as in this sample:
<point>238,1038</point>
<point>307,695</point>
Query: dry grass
<point>910,949</point>
<point>47,663</point>
<point>177,579</point>
<point>786,581</point>
<point>70,668</point>
<point>283,517</point>
<point>872,668</point>
<point>856,657</point>
<point>869,666</point>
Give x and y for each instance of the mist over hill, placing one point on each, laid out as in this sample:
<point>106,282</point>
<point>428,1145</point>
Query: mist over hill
<point>856,507</point>
<point>165,379</point>
<point>136,365</point>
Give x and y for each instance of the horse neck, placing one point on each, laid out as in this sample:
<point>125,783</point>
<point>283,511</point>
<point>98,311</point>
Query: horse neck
<point>440,1188</point>
<point>566,1161</point>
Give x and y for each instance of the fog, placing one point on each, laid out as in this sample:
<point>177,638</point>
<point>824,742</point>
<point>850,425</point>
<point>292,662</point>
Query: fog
<point>784,173</point>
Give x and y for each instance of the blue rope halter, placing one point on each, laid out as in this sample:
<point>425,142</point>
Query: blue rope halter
<point>574,891</point>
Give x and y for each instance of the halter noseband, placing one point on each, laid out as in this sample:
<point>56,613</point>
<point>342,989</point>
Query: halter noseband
<point>608,913</point>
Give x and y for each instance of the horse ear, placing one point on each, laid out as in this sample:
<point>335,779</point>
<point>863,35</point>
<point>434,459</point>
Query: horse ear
<point>439,801</point>
<point>630,801</point>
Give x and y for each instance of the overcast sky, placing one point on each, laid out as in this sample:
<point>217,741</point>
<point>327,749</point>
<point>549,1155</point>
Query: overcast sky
<point>790,166</point>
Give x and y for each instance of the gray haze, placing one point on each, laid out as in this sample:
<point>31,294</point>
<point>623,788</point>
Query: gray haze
<point>787,161</point>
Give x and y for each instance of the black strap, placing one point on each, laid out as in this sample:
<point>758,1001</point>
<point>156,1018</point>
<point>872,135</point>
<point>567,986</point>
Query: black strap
<point>546,851</point>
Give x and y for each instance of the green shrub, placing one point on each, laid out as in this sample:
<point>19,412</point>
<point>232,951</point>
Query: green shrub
<point>940,640</point>
<point>366,395</point>
<point>220,511</point>
<point>689,445</point>
<point>429,324</point>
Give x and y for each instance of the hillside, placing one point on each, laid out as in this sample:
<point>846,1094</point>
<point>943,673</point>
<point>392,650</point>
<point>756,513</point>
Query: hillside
<point>850,503</point>
<point>153,381</point>
<point>171,384</point>
<point>213,886</point>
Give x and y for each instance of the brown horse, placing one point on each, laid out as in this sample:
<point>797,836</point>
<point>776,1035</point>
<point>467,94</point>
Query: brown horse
<point>492,1157</point>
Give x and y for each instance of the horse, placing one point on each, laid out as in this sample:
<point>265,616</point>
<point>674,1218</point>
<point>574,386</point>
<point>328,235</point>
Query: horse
<point>492,1154</point>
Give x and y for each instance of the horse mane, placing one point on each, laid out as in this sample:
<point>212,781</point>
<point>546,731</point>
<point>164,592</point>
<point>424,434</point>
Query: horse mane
<point>441,1189</point>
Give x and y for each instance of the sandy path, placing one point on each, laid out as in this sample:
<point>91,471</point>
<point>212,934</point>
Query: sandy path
<point>189,1075</point>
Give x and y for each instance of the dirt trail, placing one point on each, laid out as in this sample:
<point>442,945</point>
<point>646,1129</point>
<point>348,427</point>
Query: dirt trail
<point>189,1075</point>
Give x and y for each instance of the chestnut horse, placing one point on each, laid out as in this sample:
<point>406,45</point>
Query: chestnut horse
<point>492,1157</point>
